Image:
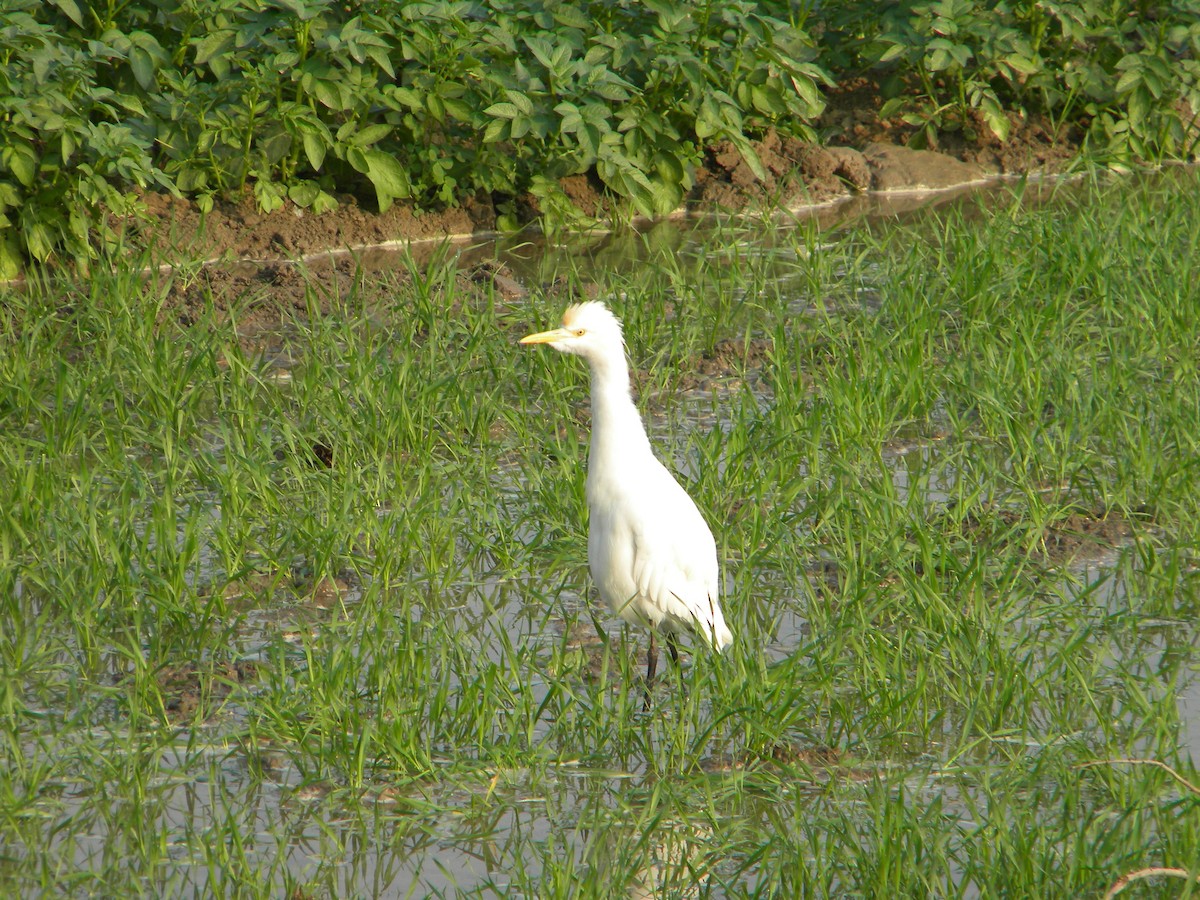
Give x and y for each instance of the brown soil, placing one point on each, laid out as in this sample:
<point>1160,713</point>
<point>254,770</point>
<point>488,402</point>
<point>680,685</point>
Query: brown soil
<point>1085,535</point>
<point>728,358</point>
<point>239,230</point>
<point>818,760</point>
<point>326,593</point>
<point>260,296</point>
<point>1082,536</point>
<point>852,118</point>
<point>864,152</point>
<point>188,689</point>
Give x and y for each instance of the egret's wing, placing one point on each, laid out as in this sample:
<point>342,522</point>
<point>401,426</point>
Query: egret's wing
<point>675,558</point>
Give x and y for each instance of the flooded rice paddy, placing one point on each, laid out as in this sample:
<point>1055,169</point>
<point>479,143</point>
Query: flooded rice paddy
<point>308,614</point>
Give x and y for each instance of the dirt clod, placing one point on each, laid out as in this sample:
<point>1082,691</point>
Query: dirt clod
<point>327,592</point>
<point>901,169</point>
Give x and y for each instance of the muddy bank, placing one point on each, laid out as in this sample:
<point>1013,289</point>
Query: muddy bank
<point>865,155</point>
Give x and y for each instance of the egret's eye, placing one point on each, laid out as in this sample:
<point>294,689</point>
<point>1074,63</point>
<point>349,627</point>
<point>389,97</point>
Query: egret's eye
<point>578,332</point>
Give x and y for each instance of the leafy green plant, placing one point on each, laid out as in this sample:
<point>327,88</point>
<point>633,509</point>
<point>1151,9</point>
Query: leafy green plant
<point>68,153</point>
<point>630,91</point>
<point>433,101</point>
<point>438,101</point>
<point>1132,80</point>
<point>959,51</point>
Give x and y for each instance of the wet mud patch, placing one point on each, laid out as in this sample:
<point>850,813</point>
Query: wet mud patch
<point>327,592</point>
<point>1080,537</point>
<point>1032,146</point>
<point>732,357</point>
<point>190,691</point>
<point>912,439</point>
<point>239,229</point>
<point>262,300</point>
<point>806,765</point>
<point>261,296</point>
<point>585,652</point>
<point>782,754</point>
<point>288,604</point>
<point>728,360</point>
<point>791,754</point>
<point>826,577</point>
<point>499,277</point>
<point>797,172</point>
<point>252,590</point>
<point>589,655</point>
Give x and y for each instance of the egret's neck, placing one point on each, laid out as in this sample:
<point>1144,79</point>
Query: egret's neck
<point>617,430</point>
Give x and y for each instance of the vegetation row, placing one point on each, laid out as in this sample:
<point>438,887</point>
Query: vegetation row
<point>435,102</point>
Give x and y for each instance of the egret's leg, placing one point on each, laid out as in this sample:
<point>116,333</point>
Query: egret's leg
<point>651,666</point>
<point>673,647</point>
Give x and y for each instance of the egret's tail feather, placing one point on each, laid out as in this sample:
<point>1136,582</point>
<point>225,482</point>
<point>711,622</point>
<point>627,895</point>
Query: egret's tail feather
<point>721,636</point>
<point>715,629</point>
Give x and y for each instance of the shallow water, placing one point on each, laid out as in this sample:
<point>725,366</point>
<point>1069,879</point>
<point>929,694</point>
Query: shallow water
<point>381,844</point>
<point>439,837</point>
<point>445,839</point>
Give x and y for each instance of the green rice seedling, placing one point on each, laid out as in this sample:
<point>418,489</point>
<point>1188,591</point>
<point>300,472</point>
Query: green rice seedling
<point>319,619</point>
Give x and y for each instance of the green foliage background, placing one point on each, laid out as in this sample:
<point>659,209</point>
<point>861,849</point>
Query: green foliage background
<point>439,101</point>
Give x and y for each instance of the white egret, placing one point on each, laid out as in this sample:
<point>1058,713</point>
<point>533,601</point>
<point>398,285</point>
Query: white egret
<point>651,554</point>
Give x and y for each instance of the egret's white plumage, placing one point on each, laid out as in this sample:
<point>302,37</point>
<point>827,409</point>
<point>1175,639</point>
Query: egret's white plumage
<point>650,551</point>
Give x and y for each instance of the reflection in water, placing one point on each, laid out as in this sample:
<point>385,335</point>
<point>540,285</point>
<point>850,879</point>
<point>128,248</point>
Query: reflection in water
<point>648,850</point>
<point>677,861</point>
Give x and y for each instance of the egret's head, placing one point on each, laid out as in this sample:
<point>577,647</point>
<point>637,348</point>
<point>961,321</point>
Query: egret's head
<point>588,330</point>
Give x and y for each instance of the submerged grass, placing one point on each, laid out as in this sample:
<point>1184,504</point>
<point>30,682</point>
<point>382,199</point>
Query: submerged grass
<point>321,627</point>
